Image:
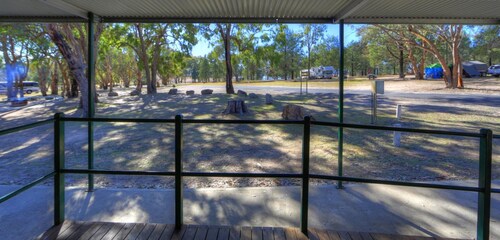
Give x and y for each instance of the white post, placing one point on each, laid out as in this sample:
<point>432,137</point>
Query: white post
<point>398,112</point>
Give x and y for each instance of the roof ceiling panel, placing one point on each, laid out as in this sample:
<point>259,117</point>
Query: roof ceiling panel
<point>430,9</point>
<point>29,8</point>
<point>212,8</point>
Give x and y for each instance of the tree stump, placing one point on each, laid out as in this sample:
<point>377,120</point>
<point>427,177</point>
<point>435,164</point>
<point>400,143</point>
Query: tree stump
<point>190,92</point>
<point>235,106</point>
<point>242,93</point>
<point>269,99</point>
<point>253,95</point>
<point>172,91</point>
<point>293,112</point>
<point>112,94</point>
<point>206,91</point>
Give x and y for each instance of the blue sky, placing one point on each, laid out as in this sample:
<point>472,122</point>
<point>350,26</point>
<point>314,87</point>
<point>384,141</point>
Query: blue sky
<point>203,47</point>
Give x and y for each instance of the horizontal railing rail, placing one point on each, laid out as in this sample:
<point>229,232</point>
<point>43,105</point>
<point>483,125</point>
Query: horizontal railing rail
<point>26,187</point>
<point>25,127</point>
<point>483,189</point>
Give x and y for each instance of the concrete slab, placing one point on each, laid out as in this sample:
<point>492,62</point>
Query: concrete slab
<point>359,207</point>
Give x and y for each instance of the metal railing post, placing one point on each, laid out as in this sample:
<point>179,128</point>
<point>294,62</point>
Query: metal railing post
<point>484,196</point>
<point>178,173</point>
<point>59,197</point>
<point>340,135</point>
<point>90,97</point>
<point>306,143</point>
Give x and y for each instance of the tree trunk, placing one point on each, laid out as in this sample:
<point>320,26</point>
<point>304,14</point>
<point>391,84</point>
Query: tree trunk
<point>55,80</point>
<point>401,64</point>
<point>226,36</point>
<point>43,75</point>
<point>75,64</point>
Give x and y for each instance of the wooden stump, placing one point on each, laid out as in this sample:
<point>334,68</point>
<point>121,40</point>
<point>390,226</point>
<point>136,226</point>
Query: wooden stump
<point>293,112</point>
<point>235,106</point>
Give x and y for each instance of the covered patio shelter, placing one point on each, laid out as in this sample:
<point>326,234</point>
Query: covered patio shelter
<point>244,11</point>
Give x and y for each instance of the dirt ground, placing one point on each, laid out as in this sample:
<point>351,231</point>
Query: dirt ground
<point>27,155</point>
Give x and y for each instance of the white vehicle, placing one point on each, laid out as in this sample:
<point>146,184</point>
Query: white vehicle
<point>494,70</point>
<point>28,87</point>
<point>327,71</point>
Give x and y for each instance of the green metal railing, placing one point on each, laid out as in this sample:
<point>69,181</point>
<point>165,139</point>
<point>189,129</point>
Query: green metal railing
<point>483,189</point>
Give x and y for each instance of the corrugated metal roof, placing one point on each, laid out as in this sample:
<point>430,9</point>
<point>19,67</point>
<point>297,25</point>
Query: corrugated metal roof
<point>355,11</point>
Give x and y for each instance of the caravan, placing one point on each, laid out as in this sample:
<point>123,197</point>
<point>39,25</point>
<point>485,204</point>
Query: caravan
<point>327,71</point>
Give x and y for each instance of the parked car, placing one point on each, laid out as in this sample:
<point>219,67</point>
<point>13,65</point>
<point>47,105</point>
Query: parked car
<point>494,70</point>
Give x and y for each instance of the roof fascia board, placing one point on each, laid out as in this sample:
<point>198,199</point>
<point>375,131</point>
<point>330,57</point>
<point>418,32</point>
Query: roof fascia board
<point>66,7</point>
<point>349,10</point>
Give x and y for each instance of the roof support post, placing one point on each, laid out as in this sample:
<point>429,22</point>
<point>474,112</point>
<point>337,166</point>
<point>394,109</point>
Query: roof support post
<point>91,96</point>
<point>341,104</point>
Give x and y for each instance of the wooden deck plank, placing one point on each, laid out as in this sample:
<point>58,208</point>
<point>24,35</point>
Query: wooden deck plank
<point>213,232</point>
<point>103,230</point>
<point>234,233</point>
<point>313,234</point>
<point>84,226</point>
<point>201,233</point>
<point>246,233</point>
<point>223,233</point>
<point>256,233</point>
<point>70,230</point>
<point>146,231</point>
<point>366,236</point>
<point>290,234</point>
<point>355,235</point>
<point>134,233</point>
<point>162,231</point>
<point>176,234</point>
<point>267,233</point>
<point>322,234</point>
<point>124,231</point>
<point>91,231</point>
<point>299,234</point>
<point>279,234</point>
<point>55,230</point>
<point>142,231</point>
<point>190,233</point>
<point>344,235</point>
<point>111,233</point>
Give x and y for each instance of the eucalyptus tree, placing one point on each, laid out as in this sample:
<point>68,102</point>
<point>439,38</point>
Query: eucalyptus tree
<point>242,35</point>
<point>429,38</point>
<point>71,40</point>
<point>288,47</point>
<point>487,44</point>
<point>151,43</point>
<point>312,34</point>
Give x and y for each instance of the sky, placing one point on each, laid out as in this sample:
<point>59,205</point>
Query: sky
<point>203,47</point>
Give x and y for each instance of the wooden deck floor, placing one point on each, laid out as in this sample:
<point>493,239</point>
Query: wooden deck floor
<point>103,230</point>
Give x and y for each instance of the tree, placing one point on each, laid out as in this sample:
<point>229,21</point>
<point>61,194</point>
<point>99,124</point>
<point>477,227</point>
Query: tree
<point>242,34</point>
<point>71,40</point>
<point>312,34</point>
<point>151,42</point>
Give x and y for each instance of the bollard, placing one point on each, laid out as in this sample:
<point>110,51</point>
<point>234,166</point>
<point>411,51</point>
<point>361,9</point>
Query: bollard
<point>398,112</point>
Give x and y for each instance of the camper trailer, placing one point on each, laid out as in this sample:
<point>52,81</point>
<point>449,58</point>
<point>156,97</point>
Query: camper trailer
<point>327,71</point>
